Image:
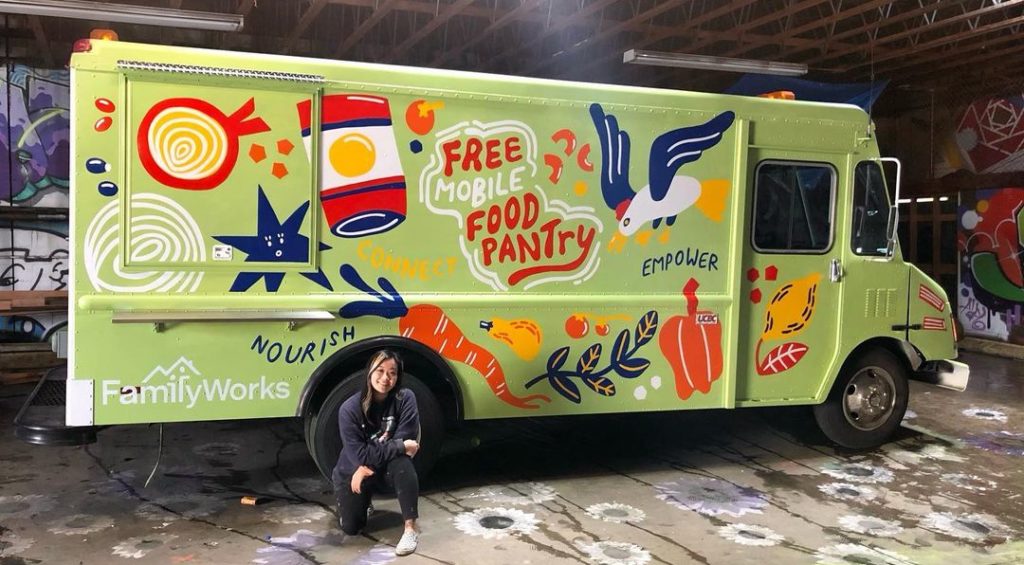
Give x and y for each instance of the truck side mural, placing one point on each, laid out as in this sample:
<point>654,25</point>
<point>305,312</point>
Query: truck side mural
<point>245,227</point>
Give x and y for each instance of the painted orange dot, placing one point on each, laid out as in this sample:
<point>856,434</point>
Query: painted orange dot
<point>983,206</point>
<point>279,170</point>
<point>257,153</point>
<point>103,124</point>
<point>580,187</point>
<point>284,146</point>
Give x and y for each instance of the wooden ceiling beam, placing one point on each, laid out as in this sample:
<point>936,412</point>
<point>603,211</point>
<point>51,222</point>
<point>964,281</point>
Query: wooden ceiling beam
<point>939,61</point>
<point>504,20</point>
<point>559,24</point>
<point>607,32</point>
<point>307,18</point>
<point>442,18</point>
<point>368,24</point>
<point>931,27</point>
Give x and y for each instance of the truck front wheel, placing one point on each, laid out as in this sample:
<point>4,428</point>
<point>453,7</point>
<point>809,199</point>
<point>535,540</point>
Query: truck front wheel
<point>867,401</point>
<point>323,438</point>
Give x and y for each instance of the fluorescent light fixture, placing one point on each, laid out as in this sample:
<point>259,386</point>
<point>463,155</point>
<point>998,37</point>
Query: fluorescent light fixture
<point>145,15</point>
<point>943,199</point>
<point>926,199</point>
<point>687,61</point>
<point>904,201</point>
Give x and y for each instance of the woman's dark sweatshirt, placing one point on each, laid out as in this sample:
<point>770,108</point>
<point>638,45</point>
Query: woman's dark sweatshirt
<point>363,442</point>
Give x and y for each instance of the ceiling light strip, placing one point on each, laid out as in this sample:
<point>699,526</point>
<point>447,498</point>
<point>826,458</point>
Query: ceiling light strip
<point>707,62</point>
<point>219,71</point>
<point>125,13</point>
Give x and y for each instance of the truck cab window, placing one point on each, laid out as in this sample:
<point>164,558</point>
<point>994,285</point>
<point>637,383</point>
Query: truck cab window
<point>793,207</point>
<point>870,210</point>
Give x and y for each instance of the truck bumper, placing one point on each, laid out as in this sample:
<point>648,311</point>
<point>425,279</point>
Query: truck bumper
<point>946,374</point>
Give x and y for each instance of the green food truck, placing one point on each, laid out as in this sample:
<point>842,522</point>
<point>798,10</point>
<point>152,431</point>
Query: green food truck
<point>248,229</point>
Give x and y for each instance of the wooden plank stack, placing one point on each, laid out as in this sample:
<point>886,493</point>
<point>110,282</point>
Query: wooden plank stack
<point>28,362</point>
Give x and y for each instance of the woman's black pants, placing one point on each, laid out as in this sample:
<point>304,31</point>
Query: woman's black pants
<point>399,477</point>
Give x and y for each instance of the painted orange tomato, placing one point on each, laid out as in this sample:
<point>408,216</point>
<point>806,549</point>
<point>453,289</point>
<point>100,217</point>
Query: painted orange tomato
<point>576,326</point>
<point>419,116</point>
<point>601,329</point>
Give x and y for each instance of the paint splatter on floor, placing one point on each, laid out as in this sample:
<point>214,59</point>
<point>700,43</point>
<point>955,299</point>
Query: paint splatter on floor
<point>985,414</point>
<point>80,524</point>
<point>750,534</point>
<point>847,491</point>
<point>378,555</point>
<point>847,553</point>
<point>517,494</point>
<point>858,472</point>
<point>298,514</point>
<point>870,526</point>
<point>496,523</point>
<point>13,544</point>
<point>141,546</point>
<point>1002,442</point>
<point>614,553</point>
<point>288,550</point>
<point>25,505</point>
<point>968,482</point>
<point>711,496</point>
<point>615,512</point>
<point>969,527</point>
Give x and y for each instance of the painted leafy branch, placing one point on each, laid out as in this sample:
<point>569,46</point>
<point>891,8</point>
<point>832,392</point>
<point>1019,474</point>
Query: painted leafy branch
<point>390,305</point>
<point>623,362</point>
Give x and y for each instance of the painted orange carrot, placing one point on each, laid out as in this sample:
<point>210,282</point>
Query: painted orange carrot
<point>429,325</point>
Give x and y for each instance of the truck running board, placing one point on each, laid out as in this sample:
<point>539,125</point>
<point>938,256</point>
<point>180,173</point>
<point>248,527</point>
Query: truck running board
<point>41,419</point>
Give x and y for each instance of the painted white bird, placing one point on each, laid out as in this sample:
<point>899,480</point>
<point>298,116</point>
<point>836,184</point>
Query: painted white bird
<point>666,195</point>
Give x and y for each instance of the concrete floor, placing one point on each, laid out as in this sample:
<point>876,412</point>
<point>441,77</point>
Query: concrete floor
<point>746,486</point>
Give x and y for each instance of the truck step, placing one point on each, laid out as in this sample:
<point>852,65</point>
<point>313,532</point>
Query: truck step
<point>41,419</point>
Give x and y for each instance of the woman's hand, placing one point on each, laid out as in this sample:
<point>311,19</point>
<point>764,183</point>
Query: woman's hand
<point>411,447</point>
<point>357,478</point>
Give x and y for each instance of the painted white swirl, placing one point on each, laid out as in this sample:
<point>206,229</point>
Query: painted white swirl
<point>161,231</point>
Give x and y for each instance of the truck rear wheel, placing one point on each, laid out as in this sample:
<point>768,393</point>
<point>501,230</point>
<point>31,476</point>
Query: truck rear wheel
<point>867,401</point>
<point>323,438</point>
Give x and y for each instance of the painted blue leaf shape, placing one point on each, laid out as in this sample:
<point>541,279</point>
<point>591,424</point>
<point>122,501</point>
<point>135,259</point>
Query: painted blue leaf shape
<point>388,306</point>
<point>588,361</point>
<point>557,359</point>
<point>646,328</point>
<point>621,346</point>
<point>601,385</point>
<point>563,385</point>
<point>632,368</point>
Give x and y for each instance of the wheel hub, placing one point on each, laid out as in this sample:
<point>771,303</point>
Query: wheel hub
<point>870,398</point>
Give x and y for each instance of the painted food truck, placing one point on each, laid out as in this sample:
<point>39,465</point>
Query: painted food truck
<point>248,229</point>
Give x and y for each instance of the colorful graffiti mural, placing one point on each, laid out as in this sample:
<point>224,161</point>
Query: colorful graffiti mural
<point>991,243</point>
<point>35,136</point>
<point>991,135</point>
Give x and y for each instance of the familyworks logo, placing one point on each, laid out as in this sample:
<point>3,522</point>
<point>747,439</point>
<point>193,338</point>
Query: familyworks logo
<point>184,385</point>
<point>484,176</point>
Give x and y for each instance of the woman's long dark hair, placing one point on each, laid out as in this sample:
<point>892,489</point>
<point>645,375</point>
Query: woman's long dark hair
<point>367,395</point>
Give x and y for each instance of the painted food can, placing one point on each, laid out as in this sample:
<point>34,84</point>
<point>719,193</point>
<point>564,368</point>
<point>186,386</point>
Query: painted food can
<point>362,186</point>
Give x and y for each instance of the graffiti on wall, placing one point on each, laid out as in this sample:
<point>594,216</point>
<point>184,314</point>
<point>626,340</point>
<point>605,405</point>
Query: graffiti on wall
<point>35,136</point>
<point>991,242</point>
<point>991,135</point>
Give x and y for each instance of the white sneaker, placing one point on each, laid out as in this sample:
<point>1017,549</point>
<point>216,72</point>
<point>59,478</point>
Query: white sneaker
<point>408,543</point>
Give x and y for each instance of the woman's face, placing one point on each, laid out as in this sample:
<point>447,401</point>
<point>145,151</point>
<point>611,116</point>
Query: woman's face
<point>384,377</point>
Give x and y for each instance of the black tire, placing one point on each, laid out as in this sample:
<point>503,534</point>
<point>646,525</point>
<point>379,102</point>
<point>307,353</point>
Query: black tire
<point>323,438</point>
<point>867,401</point>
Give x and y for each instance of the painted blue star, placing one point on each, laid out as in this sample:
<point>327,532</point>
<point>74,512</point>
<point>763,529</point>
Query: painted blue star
<point>274,242</point>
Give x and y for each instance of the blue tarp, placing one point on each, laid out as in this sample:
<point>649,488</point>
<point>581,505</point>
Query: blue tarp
<point>860,93</point>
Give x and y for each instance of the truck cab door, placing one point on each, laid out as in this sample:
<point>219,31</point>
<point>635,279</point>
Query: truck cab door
<point>789,333</point>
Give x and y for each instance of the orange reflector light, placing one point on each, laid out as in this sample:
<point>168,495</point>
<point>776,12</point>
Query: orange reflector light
<point>779,95</point>
<point>104,34</point>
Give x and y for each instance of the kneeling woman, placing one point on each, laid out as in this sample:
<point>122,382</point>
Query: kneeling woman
<point>379,428</point>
